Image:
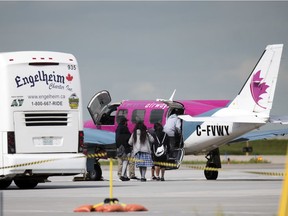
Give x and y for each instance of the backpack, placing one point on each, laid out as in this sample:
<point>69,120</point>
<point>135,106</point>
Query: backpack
<point>161,150</point>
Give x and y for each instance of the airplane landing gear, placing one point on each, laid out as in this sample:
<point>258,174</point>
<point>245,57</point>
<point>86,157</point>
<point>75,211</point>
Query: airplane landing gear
<point>96,173</point>
<point>213,161</point>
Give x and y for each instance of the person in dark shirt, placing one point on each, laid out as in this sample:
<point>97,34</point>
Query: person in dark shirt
<point>123,148</point>
<point>160,149</point>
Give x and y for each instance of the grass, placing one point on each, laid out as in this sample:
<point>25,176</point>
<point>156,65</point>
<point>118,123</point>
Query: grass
<point>260,147</point>
<point>203,162</point>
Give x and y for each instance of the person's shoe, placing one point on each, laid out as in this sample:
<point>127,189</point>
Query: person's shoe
<point>162,179</point>
<point>143,179</point>
<point>122,178</point>
<point>158,178</point>
<point>134,177</point>
<point>154,178</point>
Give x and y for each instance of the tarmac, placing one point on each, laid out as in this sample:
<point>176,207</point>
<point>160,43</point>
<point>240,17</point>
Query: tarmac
<point>237,192</point>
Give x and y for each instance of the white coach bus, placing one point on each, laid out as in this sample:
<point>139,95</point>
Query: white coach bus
<point>41,128</point>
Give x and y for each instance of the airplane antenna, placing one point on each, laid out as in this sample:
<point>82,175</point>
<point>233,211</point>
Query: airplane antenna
<point>172,96</point>
<point>170,99</point>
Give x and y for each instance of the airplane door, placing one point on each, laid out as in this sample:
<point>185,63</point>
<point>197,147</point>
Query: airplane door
<point>97,105</point>
<point>176,156</point>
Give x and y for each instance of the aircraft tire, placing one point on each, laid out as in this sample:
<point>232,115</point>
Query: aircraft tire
<point>209,174</point>
<point>26,183</point>
<point>5,183</point>
<point>96,174</point>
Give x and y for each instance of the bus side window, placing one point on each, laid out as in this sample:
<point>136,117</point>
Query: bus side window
<point>138,115</point>
<point>121,112</point>
<point>156,116</point>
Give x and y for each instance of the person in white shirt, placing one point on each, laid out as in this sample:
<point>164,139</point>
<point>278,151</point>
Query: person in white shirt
<point>140,140</point>
<point>172,126</point>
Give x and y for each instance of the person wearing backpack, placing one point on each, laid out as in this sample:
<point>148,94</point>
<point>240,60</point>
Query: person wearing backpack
<point>160,149</point>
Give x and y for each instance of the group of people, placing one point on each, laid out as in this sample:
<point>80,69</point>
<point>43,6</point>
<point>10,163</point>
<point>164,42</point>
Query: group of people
<point>145,149</point>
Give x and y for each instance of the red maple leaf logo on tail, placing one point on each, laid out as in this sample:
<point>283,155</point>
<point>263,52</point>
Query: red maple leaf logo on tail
<point>69,77</point>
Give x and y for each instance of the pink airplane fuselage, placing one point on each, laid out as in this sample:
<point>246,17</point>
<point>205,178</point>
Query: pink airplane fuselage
<point>151,111</point>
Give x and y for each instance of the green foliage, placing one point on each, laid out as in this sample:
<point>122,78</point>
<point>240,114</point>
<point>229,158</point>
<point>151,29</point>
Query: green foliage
<point>260,147</point>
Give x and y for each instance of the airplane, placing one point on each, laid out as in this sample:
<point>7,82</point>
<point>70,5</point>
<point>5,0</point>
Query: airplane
<point>206,124</point>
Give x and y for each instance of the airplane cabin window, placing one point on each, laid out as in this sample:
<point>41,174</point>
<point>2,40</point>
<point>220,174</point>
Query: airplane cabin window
<point>138,115</point>
<point>156,116</point>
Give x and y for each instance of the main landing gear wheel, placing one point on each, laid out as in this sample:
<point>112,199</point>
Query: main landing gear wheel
<point>213,162</point>
<point>211,174</point>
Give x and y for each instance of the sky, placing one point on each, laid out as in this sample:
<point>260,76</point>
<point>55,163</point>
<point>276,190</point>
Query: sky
<point>145,50</point>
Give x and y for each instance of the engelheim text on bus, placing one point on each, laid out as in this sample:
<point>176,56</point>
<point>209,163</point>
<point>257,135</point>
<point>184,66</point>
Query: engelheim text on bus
<point>40,76</point>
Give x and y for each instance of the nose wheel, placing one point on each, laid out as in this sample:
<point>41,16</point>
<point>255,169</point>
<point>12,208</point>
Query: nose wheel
<point>96,173</point>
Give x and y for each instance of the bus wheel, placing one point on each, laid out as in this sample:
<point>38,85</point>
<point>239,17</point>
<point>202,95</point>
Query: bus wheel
<point>5,183</point>
<point>26,183</point>
<point>96,173</point>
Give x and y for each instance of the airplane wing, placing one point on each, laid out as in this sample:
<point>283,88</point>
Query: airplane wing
<point>94,136</point>
<point>258,135</point>
<point>236,119</point>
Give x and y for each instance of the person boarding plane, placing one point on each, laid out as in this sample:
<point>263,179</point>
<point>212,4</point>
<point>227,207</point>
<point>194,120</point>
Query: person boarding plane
<point>206,124</point>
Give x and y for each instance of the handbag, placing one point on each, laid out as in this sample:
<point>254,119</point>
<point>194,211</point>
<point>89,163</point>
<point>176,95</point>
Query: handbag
<point>160,149</point>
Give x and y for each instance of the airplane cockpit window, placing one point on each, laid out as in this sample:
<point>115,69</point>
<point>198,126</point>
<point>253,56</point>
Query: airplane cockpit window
<point>121,112</point>
<point>138,115</point>
<point>156,116</point>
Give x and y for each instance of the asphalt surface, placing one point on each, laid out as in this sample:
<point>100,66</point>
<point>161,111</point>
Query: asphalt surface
<point>237,191</point>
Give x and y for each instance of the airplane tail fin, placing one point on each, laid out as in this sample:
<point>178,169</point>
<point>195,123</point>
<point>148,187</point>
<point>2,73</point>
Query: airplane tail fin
<point>258,92</point>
